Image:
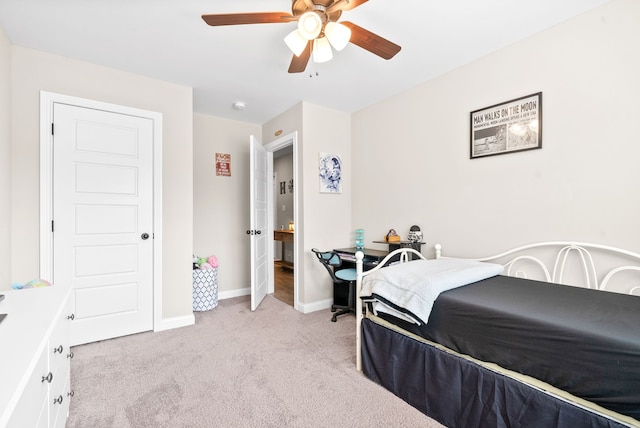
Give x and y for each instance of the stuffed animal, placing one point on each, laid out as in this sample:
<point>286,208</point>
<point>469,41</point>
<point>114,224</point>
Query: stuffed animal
<point>210,262</point>
<point>213,261</point>
<point>34,283</point>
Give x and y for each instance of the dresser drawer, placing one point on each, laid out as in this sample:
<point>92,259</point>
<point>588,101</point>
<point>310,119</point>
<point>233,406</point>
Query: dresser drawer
<point>59,397</point>
<point>34,391</point>
<point>31,411</point>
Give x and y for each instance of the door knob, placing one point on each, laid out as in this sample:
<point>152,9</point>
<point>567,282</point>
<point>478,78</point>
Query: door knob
<point>145,236</point>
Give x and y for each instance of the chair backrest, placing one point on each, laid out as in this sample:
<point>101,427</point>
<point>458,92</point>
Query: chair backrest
<point>330,260</point>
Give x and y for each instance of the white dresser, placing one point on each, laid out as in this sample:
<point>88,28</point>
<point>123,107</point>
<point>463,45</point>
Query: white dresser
<point>35,358</point>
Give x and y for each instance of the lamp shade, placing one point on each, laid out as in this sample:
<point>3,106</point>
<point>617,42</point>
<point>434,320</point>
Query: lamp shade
<point>310,25</point>
<point>322,50</point>
<point>296,42</point>
<point>338,35</point>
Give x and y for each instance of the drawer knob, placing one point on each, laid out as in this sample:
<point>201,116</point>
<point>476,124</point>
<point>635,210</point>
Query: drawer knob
<point>48,378</point>
<point>58,400</point>
<point>71,393</point>
<point>70,355</point>
<point>58,350</point>
<point>71,317</point>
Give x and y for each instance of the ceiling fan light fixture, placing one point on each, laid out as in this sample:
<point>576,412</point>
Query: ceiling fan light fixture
<point>322,50</point>
<point>310,25</point>
<point>338,35</point>
<point>296,42</point>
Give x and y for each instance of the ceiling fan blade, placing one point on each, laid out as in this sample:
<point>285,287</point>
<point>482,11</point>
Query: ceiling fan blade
<point>371,41</point>
<point>299,63</point>
<point>354,3</point>
<point>309,4</point>
<point>345,5</point>
<point>248,18</point>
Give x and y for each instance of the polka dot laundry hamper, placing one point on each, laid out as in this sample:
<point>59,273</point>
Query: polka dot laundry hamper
<point>205,289</point>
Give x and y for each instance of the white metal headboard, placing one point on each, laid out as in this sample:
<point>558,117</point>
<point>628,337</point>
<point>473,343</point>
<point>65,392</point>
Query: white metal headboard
<point>519,261</point>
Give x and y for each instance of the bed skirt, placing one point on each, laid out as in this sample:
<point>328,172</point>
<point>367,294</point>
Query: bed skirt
<point>461,393</point>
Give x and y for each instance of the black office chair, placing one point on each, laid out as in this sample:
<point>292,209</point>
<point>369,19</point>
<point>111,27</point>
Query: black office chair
<point>332,262</point>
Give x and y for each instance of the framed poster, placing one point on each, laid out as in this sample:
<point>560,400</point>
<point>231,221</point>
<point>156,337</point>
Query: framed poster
<point>330,168</point>
<point>223,164</point>
<point>508,127</point>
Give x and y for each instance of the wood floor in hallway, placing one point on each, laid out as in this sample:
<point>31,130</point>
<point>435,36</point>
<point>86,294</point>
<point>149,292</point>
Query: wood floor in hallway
<point>283,283</point>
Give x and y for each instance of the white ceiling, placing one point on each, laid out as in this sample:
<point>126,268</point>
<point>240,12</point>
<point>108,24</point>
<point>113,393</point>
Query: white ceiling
<point>168,40</point>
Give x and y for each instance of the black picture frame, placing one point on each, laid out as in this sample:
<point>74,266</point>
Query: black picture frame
<point>508,127</point>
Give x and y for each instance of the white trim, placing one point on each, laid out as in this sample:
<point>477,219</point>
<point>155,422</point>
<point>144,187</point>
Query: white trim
<point>280,143</point>
<point>234,293</point>
<point>175,322</point>
<point>47,101</point>
<point>320,305</point>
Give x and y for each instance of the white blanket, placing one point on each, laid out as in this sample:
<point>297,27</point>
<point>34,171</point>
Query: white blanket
<point>408,290</point>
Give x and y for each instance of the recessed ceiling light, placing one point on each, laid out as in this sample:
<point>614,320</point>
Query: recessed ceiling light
<point>239,105</point>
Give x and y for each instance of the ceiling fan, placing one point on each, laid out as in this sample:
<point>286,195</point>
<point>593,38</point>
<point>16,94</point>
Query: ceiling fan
<point>318,30</point>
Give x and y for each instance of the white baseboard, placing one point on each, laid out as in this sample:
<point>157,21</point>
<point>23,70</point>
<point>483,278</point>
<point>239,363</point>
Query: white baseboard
<point>234,293</point>
<point>175,322</point>
<point>321,305</point>
<point>302,307</point>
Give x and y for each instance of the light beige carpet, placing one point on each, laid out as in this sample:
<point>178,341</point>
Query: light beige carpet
<point>275,367</point>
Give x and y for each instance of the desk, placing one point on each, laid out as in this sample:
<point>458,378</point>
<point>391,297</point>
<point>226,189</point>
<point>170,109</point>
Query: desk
<point>348,257</point>
<point>370,260</point>
<point>286,237</point>
<point>403,244</point>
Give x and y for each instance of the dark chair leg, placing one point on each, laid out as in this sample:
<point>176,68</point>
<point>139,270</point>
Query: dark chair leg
<point>350,308</point>
<point>335,316</point>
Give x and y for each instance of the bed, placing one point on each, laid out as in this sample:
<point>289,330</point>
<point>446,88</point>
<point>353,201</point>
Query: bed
<point>546,334</point>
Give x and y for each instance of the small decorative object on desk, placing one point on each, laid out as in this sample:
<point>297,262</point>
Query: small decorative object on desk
<point>359,239</point>
<point>392,236</point>
<point>415,235</point>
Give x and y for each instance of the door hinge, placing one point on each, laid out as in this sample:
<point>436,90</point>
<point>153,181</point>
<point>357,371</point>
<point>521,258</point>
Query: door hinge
<point>51,128</point>
<point>51,225</point>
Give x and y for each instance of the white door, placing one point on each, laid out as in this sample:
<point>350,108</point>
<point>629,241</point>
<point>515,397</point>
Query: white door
<point>258,228</point>
<point>103,218</point>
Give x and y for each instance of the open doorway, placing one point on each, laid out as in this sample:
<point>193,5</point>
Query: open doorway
<point>283,225</point>
<point>283,217</point>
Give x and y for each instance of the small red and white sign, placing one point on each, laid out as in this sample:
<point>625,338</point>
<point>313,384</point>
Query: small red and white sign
<point>223,164</point>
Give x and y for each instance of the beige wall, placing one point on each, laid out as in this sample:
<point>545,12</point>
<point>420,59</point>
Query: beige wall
<point>411,152</point>
<point>221,204</point>
<point>5,161</point>
<point>325,218</point>
<point>35,71</point>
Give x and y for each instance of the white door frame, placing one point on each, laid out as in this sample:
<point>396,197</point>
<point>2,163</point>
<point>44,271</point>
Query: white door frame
<point>47,101</point>
<point>282,142</point>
